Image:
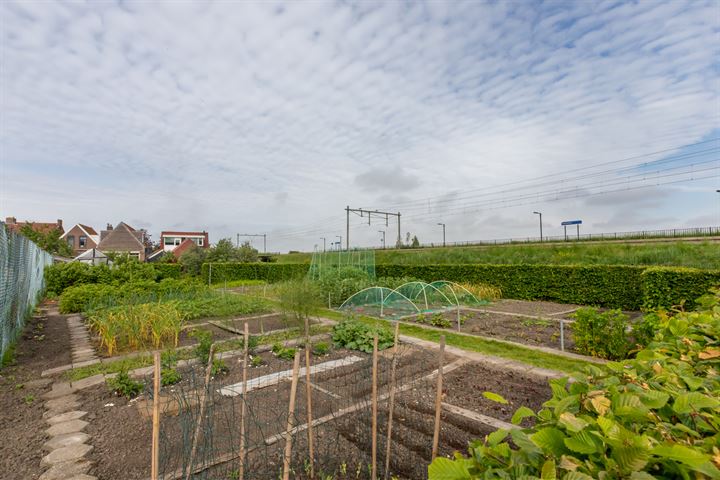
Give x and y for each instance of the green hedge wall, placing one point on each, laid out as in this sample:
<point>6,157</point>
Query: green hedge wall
<point>613,286</point>
<point>270,272</point>
<point>665,287</point>
<point>168,270</point>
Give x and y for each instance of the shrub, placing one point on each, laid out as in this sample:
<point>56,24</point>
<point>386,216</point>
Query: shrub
<point>219,367</point>
<point>355,335</point>
<point>287,353</point>
<point>205,341</point>
<point>256,361</point>
<point>656,416</point>
<point>601,334</point>
<point>123,385</point>
<point>299,298</point>
<point>320,349</point>
<point>668,287</point>
<point>169,376</point>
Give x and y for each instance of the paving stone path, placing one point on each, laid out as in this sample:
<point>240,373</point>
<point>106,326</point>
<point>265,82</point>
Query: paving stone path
<point>68,443</point>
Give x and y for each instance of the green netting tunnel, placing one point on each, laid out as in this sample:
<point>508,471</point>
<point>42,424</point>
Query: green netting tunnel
<point>409,299</point>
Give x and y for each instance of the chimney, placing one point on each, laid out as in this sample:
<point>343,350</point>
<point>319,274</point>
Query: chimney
<point>59,222</point>
<point>11,220</point>
<point>109,226</point>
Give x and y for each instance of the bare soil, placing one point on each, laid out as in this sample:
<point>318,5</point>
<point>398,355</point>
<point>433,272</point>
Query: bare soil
<point>531,307</point>
<point>44,344</point>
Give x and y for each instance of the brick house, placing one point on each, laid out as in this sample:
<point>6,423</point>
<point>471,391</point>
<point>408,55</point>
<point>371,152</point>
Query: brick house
<point>124,239</point>
<point>40,227</point>
<point>81,238</point>
<point>169,241</point>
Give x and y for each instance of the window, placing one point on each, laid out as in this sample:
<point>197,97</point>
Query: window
<point>83,241</point>
<point>169,240</point>
<point>200,242</point>
<point>178,241</point>
<point>70,241</point>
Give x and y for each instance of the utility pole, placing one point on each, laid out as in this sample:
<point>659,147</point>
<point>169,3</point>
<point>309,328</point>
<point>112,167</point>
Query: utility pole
<point>383,238</point>
<point>443,225</point>
<point>541,235</point>
<point>237,243</point>
<point>264,235</point>
<point>370,213</point>
<point>323,239</point>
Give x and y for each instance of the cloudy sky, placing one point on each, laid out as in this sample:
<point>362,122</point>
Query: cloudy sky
<point>247,117</point>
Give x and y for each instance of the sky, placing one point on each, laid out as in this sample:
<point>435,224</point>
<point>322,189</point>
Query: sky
<point>272,117</point>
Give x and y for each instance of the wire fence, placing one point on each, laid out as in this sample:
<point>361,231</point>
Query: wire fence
<point>22,265</point>
<point>330,423</point>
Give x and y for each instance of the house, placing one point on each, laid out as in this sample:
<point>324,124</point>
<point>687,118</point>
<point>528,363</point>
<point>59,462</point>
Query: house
<point>124,239</point>
<point>171,240</point>
<point>177,251</point>
<point>40,227</point>
<point>81,238</point>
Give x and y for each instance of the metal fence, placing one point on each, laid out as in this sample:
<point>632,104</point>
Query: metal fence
<point>22,265</point>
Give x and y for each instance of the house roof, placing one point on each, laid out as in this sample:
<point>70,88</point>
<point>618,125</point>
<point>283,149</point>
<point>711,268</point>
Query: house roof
<point>180,234</point>
<point>122,238</point>
<point>186,245</point>
<point>40,227</point>
<point>89,231</point>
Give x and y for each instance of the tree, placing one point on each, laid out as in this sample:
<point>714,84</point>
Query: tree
<point>246,253</point>
<point>223,251</point>
<point>50,241</point>
<point>193,259</point>
<point>415,242</point>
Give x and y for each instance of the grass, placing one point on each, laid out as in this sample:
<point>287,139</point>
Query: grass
<point>237,283</point>
<point>146,359</point>
<point>683,254</point>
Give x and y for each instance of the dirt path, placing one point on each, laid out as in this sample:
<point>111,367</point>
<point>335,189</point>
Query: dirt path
<point>44,344</point>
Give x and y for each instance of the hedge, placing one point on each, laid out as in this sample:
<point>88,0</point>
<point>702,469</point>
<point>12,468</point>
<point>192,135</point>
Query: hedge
<point>612,286</point>
<point>664,287</point>
<point>168,270</point>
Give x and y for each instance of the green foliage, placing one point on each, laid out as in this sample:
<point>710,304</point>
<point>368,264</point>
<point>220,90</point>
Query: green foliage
<point>283,352</point>
<point>192,260</point>
<point>656,416</point>
<point>669,287</point>
<point>321,349</point>
<point>256,361</point>
<point>268,272</point>
<point>205,341</point>
<point>50,241</point>
<point>169,376</point>
<point>219,367</point>
<point>226,251</point>
<point>601,334</point>
<point>123,385</point>
<point>435,320</point>
<point>299,298</point>
<point>355,335</point>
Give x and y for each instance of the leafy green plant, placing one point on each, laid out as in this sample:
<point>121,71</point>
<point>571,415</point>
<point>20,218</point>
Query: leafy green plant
<point>655,416</point>
<point>299,298</point>
<point>320,349</point>
<point>601,334</point>
<point>123,385</point>
<point>169,376</point>
<point>205,341</point>
<point>439,320</point>
<point>219,367</point>
<point>256,361</point>
<point>355,335</point>
<point>287,353</point>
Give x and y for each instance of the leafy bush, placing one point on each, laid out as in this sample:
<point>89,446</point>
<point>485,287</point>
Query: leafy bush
<point>355,335</point>
<point>601,334</point>
<point>286,353</point>
<point>656,416</point>
<point>219,367</point>
<point>205,341</point>
<point>269,272</point>
<point>169,376</point>
<point>665,288</point>
<point>256,361</point>
<point>320,349</point>
<point>123,385</point>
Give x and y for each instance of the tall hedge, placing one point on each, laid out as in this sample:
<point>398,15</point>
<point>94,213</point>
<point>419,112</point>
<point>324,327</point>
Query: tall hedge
<point>613,286</point>
<point>664,287</point>
<point>168,270</point>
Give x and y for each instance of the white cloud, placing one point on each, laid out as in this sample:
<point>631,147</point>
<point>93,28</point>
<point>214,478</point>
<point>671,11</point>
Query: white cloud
<point>266,116</point>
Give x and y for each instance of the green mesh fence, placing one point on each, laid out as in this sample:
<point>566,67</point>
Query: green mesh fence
<point>325,262</point>
<point>22,265</point>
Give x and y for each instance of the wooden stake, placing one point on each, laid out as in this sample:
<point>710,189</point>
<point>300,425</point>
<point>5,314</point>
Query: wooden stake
<point>438,398</point>
<point>391,402</point>
<point>308,394</point>
<point>243,400</point>
<point>291,413</point>
<point>203,399</point>
<point>373,475</point>
<point>155,453</point>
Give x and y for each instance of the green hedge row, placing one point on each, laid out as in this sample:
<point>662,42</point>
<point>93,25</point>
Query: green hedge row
<point>613,286</point>
<point>665,287</point>
<point>168,270</point>
<point>269,272</point>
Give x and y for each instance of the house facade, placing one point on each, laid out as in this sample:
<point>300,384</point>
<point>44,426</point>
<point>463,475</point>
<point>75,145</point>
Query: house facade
<point>172,240</point>
<point>81,238</point>
<point>124,239</point>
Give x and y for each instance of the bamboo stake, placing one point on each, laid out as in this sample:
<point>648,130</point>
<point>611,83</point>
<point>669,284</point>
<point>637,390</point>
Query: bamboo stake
<point>373,475</point>
<point>308,394</point>
<point>203,399</point>
<point>155,453</point>
<point>391,402</point>
<point>291,413</point>
<point>438,398</point>
<point>243,400</point>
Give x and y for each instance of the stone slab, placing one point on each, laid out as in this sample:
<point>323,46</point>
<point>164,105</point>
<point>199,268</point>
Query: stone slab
<point>65,470</point>
<point>40,382</point>
<point>89,381</point>
<point>64,403</point>
<point>71,426</point>
<point>82,476</point>
<point>85,363</point>
<point>56,370</point>
<point>59,389</point>
<point>66,440</point>
<point>66,417</point>
<point>66,454</point>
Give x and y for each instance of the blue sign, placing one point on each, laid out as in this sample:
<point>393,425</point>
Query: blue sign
<point>572,222</point>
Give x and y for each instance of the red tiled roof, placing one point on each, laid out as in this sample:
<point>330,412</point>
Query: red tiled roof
<point>186,245</point>
<point>40,227</point>
<point>162,234</point>
<point>89,230</point>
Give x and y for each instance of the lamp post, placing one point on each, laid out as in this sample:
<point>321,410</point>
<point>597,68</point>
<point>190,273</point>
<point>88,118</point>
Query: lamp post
<point>443,225</point>
<point>383,238</point>
<point>540,213</point>
<point>323,239</point>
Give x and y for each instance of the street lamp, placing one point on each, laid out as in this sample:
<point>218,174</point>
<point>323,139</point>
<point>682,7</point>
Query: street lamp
<point>323,239</point>
<point>383,238</point>
<point>540,213</point>
<point>443,225</point>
